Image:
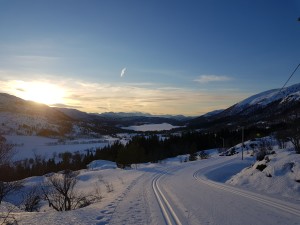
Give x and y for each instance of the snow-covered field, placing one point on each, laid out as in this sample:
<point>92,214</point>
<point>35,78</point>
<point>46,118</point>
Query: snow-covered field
<point>151,127</point>
<point>30,146</point>
<point>220,190</point>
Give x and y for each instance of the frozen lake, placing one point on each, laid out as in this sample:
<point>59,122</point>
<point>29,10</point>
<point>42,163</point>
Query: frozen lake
<point>151,127</point>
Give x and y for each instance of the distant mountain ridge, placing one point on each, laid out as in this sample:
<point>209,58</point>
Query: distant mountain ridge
<point>264,99</point>
<point>124,118</point>
<point>140,114</point>
<point>18,116</point>
<point>10,103</point>
<point>267,105</point>
<point>30,118</point>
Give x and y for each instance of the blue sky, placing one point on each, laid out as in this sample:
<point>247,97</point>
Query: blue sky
<point>177,57</point>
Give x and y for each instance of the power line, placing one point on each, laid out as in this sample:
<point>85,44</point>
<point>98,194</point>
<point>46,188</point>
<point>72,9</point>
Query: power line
<point>290,77</point>
<point>292,72</point>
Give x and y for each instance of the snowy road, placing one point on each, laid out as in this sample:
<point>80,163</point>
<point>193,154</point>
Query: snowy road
<point>174,194</point>
<point>183,195</point>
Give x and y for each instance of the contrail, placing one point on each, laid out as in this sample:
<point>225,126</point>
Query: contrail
<point>123,72</point>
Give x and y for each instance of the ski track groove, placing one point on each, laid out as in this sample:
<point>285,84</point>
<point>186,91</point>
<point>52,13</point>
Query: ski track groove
<point>167,210</point>
<point>247,194</point>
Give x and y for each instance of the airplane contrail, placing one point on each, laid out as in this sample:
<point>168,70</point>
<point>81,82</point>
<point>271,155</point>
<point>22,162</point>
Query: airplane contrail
<point>123,72</point>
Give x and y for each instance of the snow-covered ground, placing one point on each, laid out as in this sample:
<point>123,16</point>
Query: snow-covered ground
<point>210,191</point>
<point>151,127</point>
<point>281,175</point>
<point>30,146</point>
<point>23,124</point>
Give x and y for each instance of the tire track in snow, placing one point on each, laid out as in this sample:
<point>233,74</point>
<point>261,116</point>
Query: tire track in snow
<point>253,196</point>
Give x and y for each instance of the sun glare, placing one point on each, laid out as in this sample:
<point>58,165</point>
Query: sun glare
<point>41,92</point>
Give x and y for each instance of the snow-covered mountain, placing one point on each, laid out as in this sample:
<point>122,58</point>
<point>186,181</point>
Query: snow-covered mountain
<point>265,99</point>
<point>21,117</point>
<point>27,117</point>
<point>74,113</point>
<point>18,116</point>
<point>140,114</point>
<point>13,104</point>
<point>212,113</point>
<point>265,106</point>
<point>120,119</point>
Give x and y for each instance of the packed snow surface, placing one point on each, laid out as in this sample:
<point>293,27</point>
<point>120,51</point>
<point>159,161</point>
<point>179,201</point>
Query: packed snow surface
<point>220,190</point>
<point>32,146</point>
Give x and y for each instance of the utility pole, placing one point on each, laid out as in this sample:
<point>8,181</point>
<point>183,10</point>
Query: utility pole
<point>242,143</point>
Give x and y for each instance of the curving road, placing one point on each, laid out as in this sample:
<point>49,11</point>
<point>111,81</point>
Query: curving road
<point>182,195</point>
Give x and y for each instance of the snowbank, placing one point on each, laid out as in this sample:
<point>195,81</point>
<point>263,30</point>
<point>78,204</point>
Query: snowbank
<point>278,174</point>
<point>101,165</point>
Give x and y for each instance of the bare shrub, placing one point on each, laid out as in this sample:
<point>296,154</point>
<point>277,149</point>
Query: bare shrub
<point>121,180</point>
<point>6,152</point>
<point>204,155</point>
<point>59,191</point>
<point>31,199</point>
<point>7,188</point>
<point>6,216</point>
<point>292,134</point>
<point>100,178</point>
<point>109,187</point>
<point>265,148</point>
<point>97,196</point>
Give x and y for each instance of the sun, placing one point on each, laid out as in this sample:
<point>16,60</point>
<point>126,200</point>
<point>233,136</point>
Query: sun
<point>41,92</point>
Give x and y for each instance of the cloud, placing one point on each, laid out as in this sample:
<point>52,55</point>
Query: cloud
<point>123,72</point>
<point>60,105</point>
<point>152,98</point>
<point>20,89</point>
<point>211,78</point>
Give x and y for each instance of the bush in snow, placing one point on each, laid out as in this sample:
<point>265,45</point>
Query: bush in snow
<point>6,216</point>
<point>265,148</point>
<point>7,188</point>
<point>6,152</point>
<point>193,157</point>
<point>31,199</point>
<point>204,155</point>
<point>261,167</point>
<point>292,134</point>
<point>59,191</point>
<point>108,185</point>
<point>282,138</point>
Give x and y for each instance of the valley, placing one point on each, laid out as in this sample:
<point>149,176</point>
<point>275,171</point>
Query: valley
<point>130,167</point>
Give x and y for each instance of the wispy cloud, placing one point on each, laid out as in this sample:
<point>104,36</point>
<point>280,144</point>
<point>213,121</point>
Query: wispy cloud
<point>211,78</point>
<point>60,105</point>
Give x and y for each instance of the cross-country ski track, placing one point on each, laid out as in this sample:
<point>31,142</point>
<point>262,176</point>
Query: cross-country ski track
<point>183,195</point>
<point>178,194</point>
